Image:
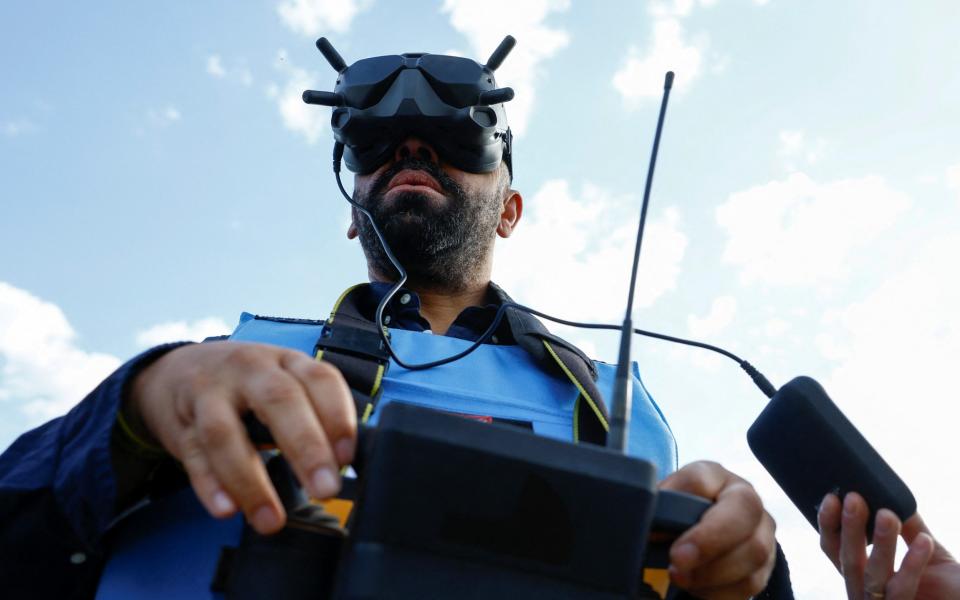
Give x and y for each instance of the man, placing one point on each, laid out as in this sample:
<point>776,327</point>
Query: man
<point>63,485</point>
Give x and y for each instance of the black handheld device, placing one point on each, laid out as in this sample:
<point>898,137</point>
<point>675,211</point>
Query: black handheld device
<point>811,449</point>
<point>486,508</point>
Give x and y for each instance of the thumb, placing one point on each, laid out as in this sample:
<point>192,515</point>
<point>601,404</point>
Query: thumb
<point>913,527</point>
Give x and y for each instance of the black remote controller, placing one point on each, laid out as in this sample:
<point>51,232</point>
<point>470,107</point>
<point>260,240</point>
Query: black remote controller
<point>811,449</point>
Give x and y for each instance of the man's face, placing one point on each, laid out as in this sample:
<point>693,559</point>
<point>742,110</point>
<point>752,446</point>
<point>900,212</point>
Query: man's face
<point>439,221</point>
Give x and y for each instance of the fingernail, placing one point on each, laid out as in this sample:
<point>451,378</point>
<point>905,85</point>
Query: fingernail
<point>344,451</point>
<point>826,498</point>
<point>684,557</point>
<point>849,507</point>
<point>325,482</point>
<point>266,519</point>
<point>222,503</point>
<point>881,526</point>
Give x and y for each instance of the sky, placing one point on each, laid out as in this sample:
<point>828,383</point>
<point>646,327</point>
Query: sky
<point>159,175</point>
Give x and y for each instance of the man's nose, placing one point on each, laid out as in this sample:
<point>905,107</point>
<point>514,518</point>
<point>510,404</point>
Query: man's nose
<point>416,148</point>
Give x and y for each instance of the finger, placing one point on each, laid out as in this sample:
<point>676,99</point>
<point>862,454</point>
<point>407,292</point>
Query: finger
<point>828,518</point>
<point>705,479</point>
<point>745,588</point>
<point>755,555</point>
<point>208,490</point>
<point>332,402</point>
<point>853,543</point>
<point>914,526</point>
<point>731,520</point>
<point>904,584</point>
<point>879,567</point>
<point>236,465</point>
<point>281,404</point>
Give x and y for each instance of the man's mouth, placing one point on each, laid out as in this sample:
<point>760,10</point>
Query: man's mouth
<point>412,179</point>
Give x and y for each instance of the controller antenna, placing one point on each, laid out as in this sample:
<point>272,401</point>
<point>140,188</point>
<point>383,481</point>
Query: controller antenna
<point>496,59</point>
<point>330,53</point>
<point>623,383</point>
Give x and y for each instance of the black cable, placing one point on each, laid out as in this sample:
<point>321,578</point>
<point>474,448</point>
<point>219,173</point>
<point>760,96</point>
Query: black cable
<point>765,386</point>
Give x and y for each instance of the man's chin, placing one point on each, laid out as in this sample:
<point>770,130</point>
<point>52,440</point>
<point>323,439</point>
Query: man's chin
<point>421,200</point>
<point>406,223</point>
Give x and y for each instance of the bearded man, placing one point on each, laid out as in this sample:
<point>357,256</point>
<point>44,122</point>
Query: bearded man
<point>63,486</point>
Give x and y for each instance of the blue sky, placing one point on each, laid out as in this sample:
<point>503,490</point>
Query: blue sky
<point>158,175</point>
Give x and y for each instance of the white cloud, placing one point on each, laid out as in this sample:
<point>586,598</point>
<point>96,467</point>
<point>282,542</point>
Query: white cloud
<point>41,367</point>
<point>319,17</point>
<point>776,327</point>
<point>721,314</point>
<point>571,255</point>
<point>798,231</point>
<point>215,66</point>
<point>17,127</point>
<point>641,76</point>
<point>484,25</point>
<point>244,76</point>
<point>305,119</point>
<point>790,141</point>
<point>676,8</point>
<point>177,331</point>
<point>164,116</point>
<point>795,148</point>
<point>953,178</point>
<point>896,353</point>
<point>239,74</point>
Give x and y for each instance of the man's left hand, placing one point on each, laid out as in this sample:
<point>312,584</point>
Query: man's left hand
<point>731,552</point>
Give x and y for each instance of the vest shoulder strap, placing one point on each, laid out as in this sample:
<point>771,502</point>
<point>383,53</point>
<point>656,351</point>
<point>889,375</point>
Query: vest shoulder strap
<point>349,340</point>
<point>554,354</point>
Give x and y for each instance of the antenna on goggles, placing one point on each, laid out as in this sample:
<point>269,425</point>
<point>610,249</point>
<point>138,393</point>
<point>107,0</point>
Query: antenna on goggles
<point>330,53</point>
<point>496,59</point>
<point>623,384</point>
<point>336,61</point>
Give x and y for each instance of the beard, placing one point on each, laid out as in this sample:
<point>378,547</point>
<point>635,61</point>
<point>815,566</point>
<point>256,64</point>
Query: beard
<point>442,246</point>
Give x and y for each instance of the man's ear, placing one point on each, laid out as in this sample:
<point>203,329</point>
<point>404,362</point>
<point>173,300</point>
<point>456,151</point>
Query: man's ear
<point>512,211</point>
<point>352,231</point>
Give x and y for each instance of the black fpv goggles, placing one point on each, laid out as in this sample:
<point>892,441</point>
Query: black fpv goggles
<point>452,103</point>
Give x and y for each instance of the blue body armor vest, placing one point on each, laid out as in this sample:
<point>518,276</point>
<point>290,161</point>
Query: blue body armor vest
<point>170,549</point>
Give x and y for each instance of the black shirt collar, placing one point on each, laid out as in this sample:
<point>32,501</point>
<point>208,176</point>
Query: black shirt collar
<point>403,312</point>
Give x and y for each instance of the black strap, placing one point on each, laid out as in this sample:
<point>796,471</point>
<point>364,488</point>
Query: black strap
<point>562,358</point>
<point>351,343</point>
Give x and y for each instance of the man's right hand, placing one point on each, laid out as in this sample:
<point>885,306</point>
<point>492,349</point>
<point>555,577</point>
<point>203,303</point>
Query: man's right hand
<point>193,398</point>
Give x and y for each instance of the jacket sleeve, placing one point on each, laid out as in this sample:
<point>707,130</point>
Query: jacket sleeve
<point>58,495</point>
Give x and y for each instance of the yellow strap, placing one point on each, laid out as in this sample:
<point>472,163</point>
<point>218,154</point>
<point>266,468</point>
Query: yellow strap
<point>367,412</point>
<point>377,380</point>
<point>136,440</point>
<point>583,392</point>
<point>576,420</point>
<point>336,305</point>
<point>658,579</point>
